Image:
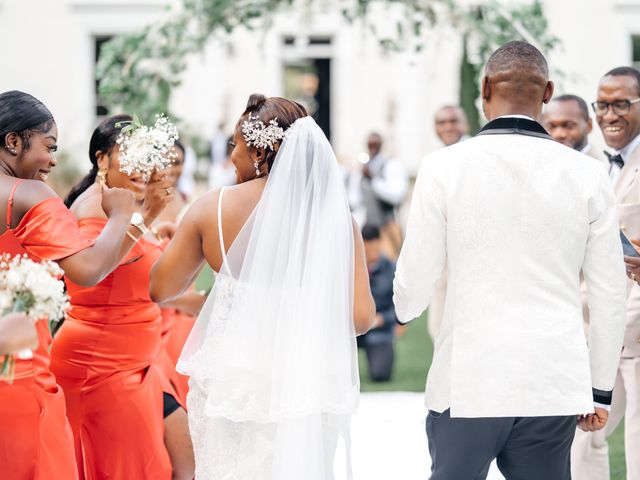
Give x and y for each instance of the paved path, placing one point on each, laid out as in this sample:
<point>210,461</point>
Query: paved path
<point>389,440</point>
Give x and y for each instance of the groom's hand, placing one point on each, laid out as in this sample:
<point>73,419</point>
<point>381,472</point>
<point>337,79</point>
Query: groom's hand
<point>593,421</point>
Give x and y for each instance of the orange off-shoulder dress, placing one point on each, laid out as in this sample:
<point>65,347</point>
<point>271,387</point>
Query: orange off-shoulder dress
<point>36,442</point>
<point>103,357</point>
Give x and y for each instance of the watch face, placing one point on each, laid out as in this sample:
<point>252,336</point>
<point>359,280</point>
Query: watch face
<point>137,219</point>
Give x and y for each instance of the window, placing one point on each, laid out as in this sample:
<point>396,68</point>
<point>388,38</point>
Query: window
<point>635,51</point>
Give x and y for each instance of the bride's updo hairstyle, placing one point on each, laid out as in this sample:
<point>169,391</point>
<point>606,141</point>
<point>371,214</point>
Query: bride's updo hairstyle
<point>284,111</point>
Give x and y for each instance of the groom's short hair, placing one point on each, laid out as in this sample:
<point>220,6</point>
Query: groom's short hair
<point>517,55</point>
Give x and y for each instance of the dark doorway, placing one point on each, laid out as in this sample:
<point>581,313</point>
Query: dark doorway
<point>308,81</point>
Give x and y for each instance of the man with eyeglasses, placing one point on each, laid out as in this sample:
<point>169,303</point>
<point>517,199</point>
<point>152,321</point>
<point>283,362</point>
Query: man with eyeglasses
<point>617,110</point>
<point>567,120</point>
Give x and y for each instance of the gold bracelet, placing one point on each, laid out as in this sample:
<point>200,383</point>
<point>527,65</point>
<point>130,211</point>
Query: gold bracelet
<point>135,240</point>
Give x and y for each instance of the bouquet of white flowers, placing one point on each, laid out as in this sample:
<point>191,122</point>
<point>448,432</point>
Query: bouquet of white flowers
<point>146,149</point>
<point>33,288</point>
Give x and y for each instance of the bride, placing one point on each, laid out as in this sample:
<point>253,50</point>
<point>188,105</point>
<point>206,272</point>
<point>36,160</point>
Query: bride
<point>272,356</point>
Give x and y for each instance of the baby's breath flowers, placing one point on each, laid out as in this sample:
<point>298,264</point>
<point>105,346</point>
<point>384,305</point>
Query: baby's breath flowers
<point>143,149</point>
<point>34,288</point>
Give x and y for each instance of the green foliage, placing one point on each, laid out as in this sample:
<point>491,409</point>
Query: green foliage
<point>138,71</point>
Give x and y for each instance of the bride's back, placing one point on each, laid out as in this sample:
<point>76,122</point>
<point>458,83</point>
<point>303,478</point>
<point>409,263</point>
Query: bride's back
<point>236,205</point>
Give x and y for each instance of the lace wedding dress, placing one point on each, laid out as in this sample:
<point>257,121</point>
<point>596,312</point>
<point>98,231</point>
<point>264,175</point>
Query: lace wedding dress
<point>272,357</point>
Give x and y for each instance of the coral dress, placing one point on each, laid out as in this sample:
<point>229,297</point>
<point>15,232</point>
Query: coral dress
<point>36,442</point>
<point>176,327</point>
<point>103,358</point>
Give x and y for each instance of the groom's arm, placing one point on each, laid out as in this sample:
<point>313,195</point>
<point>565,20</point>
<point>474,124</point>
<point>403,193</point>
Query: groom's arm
<point>606,281</point>
<point>423,253</point>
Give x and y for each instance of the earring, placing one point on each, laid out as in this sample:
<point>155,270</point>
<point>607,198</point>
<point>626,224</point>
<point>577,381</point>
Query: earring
<point>12,150</point>
<point>101,177</point>
<point>257,165</point>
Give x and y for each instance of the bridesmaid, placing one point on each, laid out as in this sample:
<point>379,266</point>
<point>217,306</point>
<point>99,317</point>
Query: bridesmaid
<point>177,322</point>
<point>35,438</point>
<point>103,354</point>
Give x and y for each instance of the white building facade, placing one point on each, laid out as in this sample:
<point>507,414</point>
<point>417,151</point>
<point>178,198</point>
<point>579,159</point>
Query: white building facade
<point>48,48</point>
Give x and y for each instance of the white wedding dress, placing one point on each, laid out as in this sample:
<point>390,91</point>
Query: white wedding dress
<point>272,357</point>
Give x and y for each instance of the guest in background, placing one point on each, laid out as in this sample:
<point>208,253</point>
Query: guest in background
<point>378,342</point>
<point>451,124</point>
<point>567,120</point>
<point>187,184</point>
<point>451,127</point>
<point>378,189</point>
<point>618,115</point>
<point>223,173</point>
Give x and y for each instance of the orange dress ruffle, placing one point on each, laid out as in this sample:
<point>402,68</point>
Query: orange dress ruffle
<point>103,357</point>
<point>36,442</point>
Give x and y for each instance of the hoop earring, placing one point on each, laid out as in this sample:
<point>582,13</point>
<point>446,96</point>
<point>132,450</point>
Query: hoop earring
<point>257,165</point>
<point>101,178</point>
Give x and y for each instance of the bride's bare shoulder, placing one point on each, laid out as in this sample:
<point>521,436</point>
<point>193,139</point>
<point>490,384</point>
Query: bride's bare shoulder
<point>234,197</point>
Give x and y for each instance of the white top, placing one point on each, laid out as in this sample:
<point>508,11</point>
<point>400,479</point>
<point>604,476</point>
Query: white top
<point>515,218</point>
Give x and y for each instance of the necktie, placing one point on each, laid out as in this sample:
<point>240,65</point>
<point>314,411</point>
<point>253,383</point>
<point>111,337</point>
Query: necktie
<point>617,159</point>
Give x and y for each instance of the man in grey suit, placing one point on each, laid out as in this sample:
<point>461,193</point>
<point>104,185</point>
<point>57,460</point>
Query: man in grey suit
<point>516,217</point>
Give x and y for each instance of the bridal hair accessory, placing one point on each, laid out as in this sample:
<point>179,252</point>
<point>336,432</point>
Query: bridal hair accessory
<point>143,149</point>
<point>258,135</point>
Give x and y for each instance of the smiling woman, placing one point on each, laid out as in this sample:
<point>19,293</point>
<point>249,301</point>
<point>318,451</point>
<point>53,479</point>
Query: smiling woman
<point>32,408</point>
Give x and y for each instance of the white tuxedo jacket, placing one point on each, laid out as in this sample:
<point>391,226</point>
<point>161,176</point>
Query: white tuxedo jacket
<point>516,218</point>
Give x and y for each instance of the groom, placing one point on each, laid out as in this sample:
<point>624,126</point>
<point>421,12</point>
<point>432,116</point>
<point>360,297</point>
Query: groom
<point>516,217</point>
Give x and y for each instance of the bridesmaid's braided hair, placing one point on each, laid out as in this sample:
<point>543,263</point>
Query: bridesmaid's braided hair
<point>103,139</point>
<point>284,110</point>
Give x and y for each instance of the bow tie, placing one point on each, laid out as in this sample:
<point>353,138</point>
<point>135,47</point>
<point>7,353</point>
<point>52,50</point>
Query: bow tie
<point>617,159</point>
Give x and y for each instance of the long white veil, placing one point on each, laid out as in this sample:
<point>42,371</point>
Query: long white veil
<point>275,342</point>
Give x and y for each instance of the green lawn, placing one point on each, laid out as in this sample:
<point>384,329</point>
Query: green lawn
<point>413,356</point>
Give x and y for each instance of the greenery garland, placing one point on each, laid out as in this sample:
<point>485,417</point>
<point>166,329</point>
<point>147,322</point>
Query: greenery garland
<point>137,71</point>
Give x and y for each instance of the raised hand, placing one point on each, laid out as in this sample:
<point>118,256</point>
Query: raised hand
<point>159,193</point>
<point>116,201</point>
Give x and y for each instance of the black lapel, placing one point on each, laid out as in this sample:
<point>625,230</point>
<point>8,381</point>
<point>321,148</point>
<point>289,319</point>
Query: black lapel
<point>515,125</point>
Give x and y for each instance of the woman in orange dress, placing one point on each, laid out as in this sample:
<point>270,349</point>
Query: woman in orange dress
<point>178,321</point>
<point>35,437</point>
<point>103,355</point>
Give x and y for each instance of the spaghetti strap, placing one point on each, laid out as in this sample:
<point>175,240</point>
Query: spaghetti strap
<point>220,235</point>
<point>10,203</point>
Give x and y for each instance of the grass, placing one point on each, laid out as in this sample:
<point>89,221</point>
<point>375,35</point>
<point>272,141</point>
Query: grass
<point>414,351</point>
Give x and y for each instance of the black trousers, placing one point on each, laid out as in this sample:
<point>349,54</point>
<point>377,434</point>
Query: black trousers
<point>380,357</point>
<point>525,448</point>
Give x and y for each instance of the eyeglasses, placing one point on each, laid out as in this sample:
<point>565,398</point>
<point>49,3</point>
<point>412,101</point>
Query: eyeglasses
<point>620,107</point>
